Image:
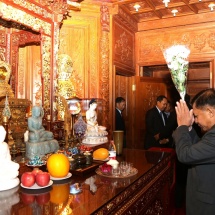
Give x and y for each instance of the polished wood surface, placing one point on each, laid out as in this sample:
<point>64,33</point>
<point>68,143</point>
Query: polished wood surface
<point>147,191</point>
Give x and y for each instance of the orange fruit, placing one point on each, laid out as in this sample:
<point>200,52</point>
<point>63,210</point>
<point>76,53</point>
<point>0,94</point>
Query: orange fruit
<point>58,165</point>
<point>100,154</point>
<point>59,193</point>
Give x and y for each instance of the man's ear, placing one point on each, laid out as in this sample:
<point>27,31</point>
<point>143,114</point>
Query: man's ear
<point>211,111</point>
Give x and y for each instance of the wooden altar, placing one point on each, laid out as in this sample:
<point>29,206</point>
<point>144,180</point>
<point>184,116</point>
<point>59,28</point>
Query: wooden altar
<point>147,192</point>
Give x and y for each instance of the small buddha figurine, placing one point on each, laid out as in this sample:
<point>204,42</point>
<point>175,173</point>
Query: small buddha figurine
<point>37,132</point>
<point>91,116</point>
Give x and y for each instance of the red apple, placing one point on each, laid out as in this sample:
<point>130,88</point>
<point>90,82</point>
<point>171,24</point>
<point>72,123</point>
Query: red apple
<point>28,179</point>
<point>43,198</point>
<point>35,171</point>
<point>27,198</point>
<point>42,179</point>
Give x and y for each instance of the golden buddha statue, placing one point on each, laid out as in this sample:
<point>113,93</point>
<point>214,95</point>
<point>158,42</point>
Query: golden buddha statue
<point>5,72</point>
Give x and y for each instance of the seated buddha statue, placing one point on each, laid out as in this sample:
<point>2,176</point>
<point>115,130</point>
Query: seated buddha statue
<point>95,134</point>
<point>5,72</point>
<point>91,116</point>
<point>37,132</point>
<point>9,170</point>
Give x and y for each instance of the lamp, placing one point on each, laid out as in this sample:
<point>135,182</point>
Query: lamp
<point>166,2</point>
<point>211,6</point>
<point>74,108</point>
<point>136,6</point>
<point>174,11</point>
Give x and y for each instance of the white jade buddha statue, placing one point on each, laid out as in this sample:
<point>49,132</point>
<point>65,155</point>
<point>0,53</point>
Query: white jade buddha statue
<point>8,169</point>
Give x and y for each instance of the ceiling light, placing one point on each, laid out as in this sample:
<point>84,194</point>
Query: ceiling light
<point>166,2</point>
<point>174,11</point>
<point>136,6</point>
<point>211,6</point>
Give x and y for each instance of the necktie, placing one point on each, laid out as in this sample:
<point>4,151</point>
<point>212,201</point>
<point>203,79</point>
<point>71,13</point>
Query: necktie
<point>162,117</point>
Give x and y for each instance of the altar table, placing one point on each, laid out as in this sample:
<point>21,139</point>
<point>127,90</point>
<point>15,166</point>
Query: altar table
<point>147,192</point>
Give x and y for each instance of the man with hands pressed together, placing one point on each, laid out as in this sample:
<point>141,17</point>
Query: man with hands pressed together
<point>198,153</point>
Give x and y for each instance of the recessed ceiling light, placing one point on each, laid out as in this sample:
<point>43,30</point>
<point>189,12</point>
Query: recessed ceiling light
<point>166,2</point>
<point>174,11</point>
<point>211,6</point>
<point>136,6</point>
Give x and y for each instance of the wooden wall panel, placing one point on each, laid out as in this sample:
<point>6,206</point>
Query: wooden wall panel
<point>199,38</point>
<point>79,39</point>
<point>123,48</point>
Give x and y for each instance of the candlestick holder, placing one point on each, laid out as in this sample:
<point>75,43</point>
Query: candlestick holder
<point>23,150</point>
<point>14,152</point>
<point>5,125</point>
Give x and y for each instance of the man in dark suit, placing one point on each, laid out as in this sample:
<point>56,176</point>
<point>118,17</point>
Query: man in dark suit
<point>119,121</point>
<point>171,124</point>
<point>198,152</point>
<point>155,123</point>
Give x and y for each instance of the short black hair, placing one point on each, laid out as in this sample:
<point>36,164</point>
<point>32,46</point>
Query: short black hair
<point>160,98</point>
<point>92,101</point>
<point>203,98</point>
<point>120,99</point>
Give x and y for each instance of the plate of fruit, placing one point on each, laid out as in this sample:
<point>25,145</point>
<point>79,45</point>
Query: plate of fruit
<point>36,179</point>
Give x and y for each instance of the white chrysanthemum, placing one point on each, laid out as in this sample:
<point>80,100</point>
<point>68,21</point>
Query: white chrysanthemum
<point>176,58</point>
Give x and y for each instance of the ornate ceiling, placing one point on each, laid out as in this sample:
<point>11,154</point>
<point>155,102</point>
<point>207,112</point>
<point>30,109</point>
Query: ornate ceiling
<point>156,10</point>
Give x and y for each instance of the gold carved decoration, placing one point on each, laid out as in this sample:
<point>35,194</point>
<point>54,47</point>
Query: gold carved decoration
<point>17,107</point>
<point>46,68</point>
<point>65,115</point>
<point>5,72</point>
<point>152,92</point>
<point>65,87</point>
<point>199,41</point>
<point>11,13</point>
<point>123,48</point>
<point>105,18</point>
<point>211,40</point>
<point>104,70</point>
<point>48,28</point>
<point>104,81</point>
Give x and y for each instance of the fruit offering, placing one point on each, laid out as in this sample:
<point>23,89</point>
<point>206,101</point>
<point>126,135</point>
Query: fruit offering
<point>28,179</point>
<point>42,179</point>
<point>106,168</point>
<point>101,154</point>
<point>84,148</point>
<point>58,165</point>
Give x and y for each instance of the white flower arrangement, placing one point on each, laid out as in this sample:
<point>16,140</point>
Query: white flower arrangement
<point>176,58</point>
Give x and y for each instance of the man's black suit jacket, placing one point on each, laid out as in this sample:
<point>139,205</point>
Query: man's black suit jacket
<point>119,122</point>
<point>154,125</point>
